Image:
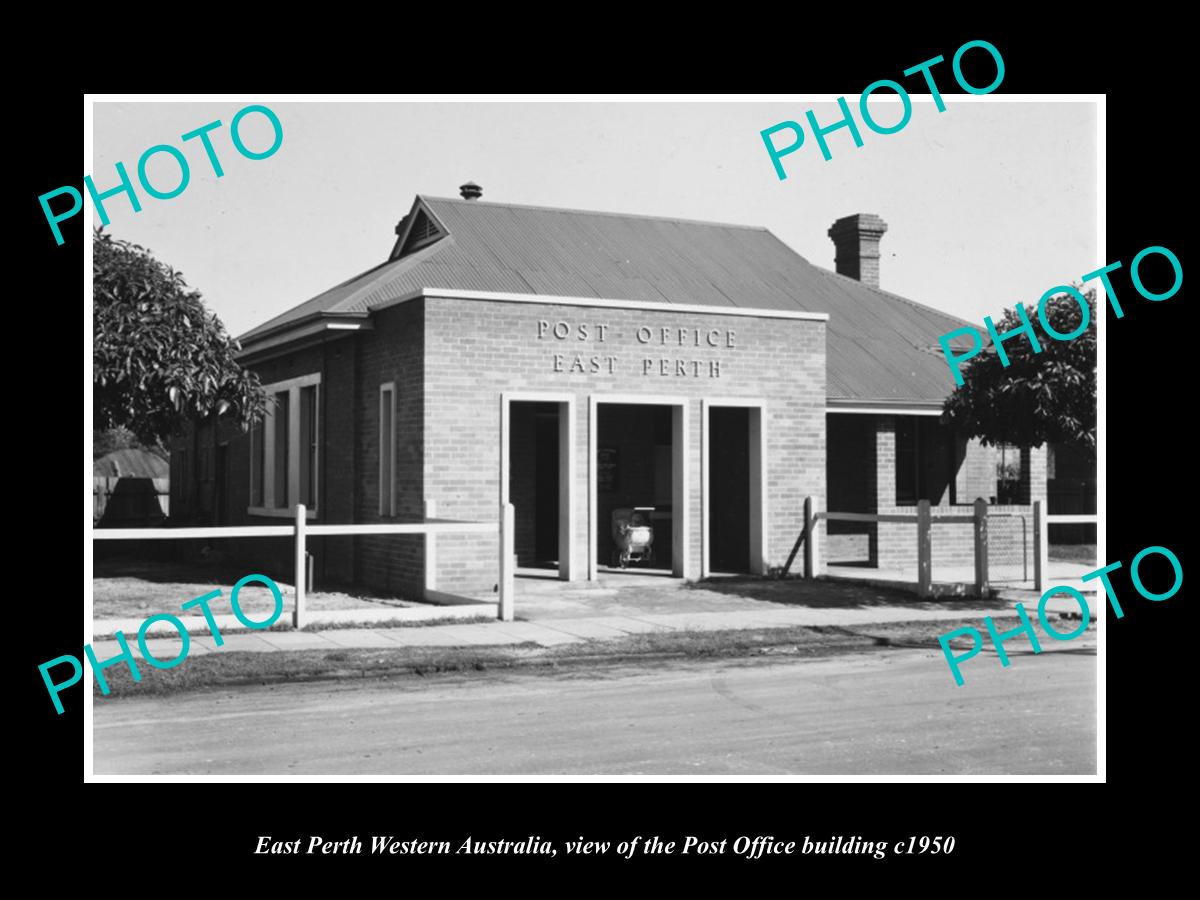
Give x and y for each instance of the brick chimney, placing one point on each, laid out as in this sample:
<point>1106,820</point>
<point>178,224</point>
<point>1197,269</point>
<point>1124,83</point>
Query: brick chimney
<point>857,241</point>
<point>470,191</point>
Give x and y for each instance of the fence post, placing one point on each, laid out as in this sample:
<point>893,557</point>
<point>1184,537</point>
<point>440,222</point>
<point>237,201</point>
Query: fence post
<point>812,543</point>
<point>924,550</point>
<point>981,546</point>
<point>430,549</point>
<point>301,569</point>
<point>1041,548</point>
<point>507,563</point>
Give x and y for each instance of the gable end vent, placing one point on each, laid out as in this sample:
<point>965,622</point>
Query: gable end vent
<point>424,232</point>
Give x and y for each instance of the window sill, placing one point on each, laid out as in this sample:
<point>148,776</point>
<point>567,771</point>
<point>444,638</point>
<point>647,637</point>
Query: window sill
<point>281,513</point>
<point>913,505</point>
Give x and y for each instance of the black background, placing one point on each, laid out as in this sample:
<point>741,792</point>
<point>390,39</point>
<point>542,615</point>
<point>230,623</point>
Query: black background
<point>1004,831</point>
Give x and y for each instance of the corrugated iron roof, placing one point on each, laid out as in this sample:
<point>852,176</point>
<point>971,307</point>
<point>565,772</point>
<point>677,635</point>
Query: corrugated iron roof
<point>880,346</point>
<point>131,464</point>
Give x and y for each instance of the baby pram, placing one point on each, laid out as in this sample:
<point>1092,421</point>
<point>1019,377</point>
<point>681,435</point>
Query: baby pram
<point>633,535</point>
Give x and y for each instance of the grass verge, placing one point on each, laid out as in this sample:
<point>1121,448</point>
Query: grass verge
<point>1084,554</point>
<point>284,624</point>
<point>224,669</point>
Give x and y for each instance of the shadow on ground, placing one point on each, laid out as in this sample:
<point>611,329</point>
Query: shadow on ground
<point>826,593</point>
<point>127,586</point>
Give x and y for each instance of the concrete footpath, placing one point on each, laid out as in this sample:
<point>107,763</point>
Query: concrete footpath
<point>550,632</point>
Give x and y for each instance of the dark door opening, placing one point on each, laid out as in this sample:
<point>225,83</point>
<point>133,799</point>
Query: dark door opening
<point>635,487</point>
<point>729,489</point>
<point>534,482</point>
<point>546,488</point>
<point>222,484</point>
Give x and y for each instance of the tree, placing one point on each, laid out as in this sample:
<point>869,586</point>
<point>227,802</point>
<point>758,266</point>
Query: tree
<point>160,359</point>
<point>1040,397</point>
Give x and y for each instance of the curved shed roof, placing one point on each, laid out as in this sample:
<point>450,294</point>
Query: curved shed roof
<point>131,464</point>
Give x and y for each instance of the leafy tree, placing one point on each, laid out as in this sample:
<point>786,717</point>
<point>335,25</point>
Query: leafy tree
<point>160,358</point>
<point>1040,397</point>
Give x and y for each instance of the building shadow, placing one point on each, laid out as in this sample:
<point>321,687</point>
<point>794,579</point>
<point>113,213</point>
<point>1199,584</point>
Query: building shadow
<point>827,593</point>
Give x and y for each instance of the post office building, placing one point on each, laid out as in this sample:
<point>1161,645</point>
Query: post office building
<point>693,379</point>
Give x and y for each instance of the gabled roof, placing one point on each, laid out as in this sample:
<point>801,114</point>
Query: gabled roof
<point>881,347</point>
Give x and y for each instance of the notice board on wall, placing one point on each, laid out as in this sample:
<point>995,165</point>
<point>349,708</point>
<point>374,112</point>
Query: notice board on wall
<point>608,476</point>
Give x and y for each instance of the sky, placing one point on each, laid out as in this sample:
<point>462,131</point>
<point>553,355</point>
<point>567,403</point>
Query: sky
<point>989,203</point>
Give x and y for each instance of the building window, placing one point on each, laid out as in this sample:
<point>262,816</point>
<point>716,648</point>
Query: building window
<point>180,476</point>
<point>284,448</point>
<point>279,458</point>
<point>1008,475</point>
<point>308,445</point>
<point>387,449</point>
<point>257,449</point>
<point>927,461</point>
<point>910,483</point>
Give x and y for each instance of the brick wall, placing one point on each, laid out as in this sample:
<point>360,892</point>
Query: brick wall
<point>391,352</point>
<point>475,350</point>
<point>1011,545</point>
<point>977,474</point>
<point>335,556</point>
<point>885,463</point>
<point>1010,540</point>
<point>953,543</point>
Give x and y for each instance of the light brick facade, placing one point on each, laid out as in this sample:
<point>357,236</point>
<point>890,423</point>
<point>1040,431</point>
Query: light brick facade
<point>863,478</point>
<point>452,361</point>
<point>478,351</point>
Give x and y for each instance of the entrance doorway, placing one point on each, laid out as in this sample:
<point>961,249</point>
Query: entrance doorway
<point>638,509</point>
<point>533,483</point>
<point>735,524</point>
<point>729,491</point>
<point>536,477</point>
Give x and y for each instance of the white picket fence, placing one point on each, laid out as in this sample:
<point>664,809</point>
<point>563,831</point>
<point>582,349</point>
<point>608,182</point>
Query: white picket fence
<point>300,530</point>
<point>923,519</point>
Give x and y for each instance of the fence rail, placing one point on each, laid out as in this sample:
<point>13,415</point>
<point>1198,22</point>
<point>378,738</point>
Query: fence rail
<point>151,534</point>
<point>1041,534</point>
<point>300,530</point>
<point>924,520</point>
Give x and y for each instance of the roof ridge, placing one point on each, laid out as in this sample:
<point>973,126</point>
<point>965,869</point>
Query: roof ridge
<point>418,255</point>
<point>591,212</point>
<point>829,273</point>
<point>878,290</point>
<point>371,279</point>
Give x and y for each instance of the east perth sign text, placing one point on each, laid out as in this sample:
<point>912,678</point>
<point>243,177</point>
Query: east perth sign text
<point>663,339</point>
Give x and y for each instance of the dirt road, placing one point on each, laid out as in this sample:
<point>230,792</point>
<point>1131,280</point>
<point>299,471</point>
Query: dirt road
<point>893,712</point>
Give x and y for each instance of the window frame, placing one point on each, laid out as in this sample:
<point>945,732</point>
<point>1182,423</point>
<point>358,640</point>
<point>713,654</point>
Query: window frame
<point>292,387</point>
<point>387,504</point>
<point>258,463</point>
<point>183,476</point>
<point>915,467</point>
<point>926,435</point>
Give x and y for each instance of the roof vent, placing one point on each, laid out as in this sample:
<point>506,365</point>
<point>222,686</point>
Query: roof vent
<point>423,232</point>
<point>470,191</point>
